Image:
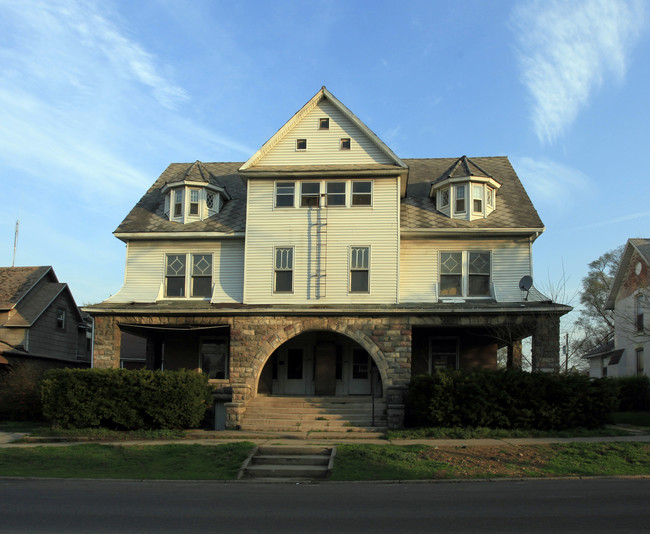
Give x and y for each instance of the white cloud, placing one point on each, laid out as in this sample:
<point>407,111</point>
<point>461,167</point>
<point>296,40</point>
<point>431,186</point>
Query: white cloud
<point>567,49</point>
<point>547,181</point>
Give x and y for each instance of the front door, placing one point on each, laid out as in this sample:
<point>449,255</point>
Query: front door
<point>325,369</point>
<point>291,371</point>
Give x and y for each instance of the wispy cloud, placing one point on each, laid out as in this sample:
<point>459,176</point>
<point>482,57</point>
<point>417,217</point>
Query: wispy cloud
<point>547,181</point>
<point>567,49</point>
<point>614,220</point>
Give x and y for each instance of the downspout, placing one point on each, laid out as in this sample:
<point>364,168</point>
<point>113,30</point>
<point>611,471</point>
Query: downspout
<point>92,343</point>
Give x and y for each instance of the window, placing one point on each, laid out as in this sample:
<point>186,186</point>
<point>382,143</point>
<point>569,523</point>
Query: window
<point>359,270</point>
<point>194,201</point>
<point>361,193</point>
<point>460,199</point>
<point>213,358</point>
<point>335,193</point>
<point>490,197</point>
<point>200,281</point>
<point>211,202</point>
<point>284,192</point>
<point>345,143</point>
<point>60,318</point>
<point>301,144</point>
<point>444,198</point>
<point>638,312</point>
<point>324,123</point>
<point>201,275</point>
<point>360,367</point>
<point>167,206</point>
<point>175,275</point>
<point>477,194</point>
<point>309,194</point>
<point>443,354</point>
<point>178,203</point>
<point>451,274</point>
<point>479,274</point>
<point>283,270</point>
<point>465,274</point>
<point>640,364</point>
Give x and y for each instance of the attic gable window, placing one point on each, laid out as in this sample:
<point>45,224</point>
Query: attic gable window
<point>60,318</point>
<point>324,123</point>
<point>345,143</point>
<point>301,144</point>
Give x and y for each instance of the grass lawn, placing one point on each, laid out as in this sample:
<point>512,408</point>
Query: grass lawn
<point>420,462</point>
<point>171,462</point>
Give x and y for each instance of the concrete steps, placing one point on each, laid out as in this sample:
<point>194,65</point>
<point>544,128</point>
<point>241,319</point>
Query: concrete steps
<point>315,414</point>
<point>288,463</point>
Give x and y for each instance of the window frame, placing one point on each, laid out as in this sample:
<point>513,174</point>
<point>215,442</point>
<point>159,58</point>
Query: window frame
<point>338,194</point>
<point>188,275</point>
<point>465,275</point>
<point>353,268</point>
<point>278,194</point>
<point>301,144</point>
<point>432,368</point>
<point>462,200</point>
<point>59,318</point>
<point>194,204</point>
<point>178,208</point>
<point>283,267</point>
<point>324,123</point>
<point>312,199</point>
<point>640,361</point>
<point>477,188</point>
<point>444,198</point>
<point>226,356</point>
<point>345,143</point>
<point>638,313</point>
<point>362,194</point>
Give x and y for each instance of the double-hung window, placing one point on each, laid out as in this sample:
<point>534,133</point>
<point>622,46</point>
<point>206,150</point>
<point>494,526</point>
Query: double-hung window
<point>197,285</point>
<point>60,318</point>
<point>359,269</point>
<point>443,354</point>
<point>335,193</point>
<point>283,282</point>
<point>213,358</point>
<point>284,193</point>
<point>477,198</point>
<point>638,312</point>
<point>362,193</point>
<point>194,201</point>
<point>309,194</point>
<point>460,199</point>
<point>178,202</point>
<point>465,274</point>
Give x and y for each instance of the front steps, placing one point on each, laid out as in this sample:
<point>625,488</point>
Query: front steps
<point>315,414</point>
<point>288,463</point>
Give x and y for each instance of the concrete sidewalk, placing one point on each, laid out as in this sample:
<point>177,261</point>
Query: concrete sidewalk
<point>316,439</point>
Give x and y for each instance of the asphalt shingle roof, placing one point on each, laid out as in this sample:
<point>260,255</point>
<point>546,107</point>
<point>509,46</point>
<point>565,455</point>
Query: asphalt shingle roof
<point>15,283</point>
<point>513,206</point>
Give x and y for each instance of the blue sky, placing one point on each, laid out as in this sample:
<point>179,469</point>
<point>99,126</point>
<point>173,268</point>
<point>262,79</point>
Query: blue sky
<point>98,97</point>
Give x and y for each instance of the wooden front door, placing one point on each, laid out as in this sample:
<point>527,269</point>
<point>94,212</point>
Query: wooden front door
<point>325,370</point>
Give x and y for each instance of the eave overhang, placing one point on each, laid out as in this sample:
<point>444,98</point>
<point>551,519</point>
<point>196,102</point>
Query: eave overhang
<point>421,233</point>
<point>147,236</point>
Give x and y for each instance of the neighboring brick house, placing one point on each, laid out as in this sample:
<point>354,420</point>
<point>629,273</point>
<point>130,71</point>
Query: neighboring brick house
<point>39,320</point>
<point>327,266</point>
<point>629,297</point>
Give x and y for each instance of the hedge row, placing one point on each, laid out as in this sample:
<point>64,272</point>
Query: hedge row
<point>509,399</point>
<point>125,400</point>
<point>633,393</point>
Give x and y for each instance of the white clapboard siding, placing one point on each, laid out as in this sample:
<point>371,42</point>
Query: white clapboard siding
<point>269,227</point>
<point>323,146</point>
<point>145,269</point>
<point>419,266</point>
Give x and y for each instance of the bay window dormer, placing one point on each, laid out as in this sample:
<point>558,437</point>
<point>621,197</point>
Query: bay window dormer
<point>465,191</point>
<point>194,197</point>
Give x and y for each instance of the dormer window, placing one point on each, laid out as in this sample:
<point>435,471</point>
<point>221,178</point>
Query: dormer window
<point>477,198</point>
<point>490,196</point>
<point>460,199</point>
<point>194,201</point>
<point>324,123</point>
<point>444,198</point>
<point>186,204</point>
<point>178,203</point>
<point>301,144</point>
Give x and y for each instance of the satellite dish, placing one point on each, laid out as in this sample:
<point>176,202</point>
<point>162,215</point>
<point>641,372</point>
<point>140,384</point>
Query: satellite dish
<point>525,283</point>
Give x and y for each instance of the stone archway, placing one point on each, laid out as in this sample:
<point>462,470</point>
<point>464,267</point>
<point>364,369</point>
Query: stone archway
<point>288,333</point>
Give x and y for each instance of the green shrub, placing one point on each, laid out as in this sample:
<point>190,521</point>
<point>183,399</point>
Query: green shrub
<point>125,400</point>
<point>20,397</point>
<point>633,393</point>
<point>509,399</point>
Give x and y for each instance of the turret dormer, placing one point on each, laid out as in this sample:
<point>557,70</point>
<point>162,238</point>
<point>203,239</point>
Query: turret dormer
<point>465,191</point>
<point>194,195</point>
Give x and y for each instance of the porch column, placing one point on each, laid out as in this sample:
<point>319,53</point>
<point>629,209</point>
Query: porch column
<point>546,344</point>
<point>108,339</point>
<point>514,355</point>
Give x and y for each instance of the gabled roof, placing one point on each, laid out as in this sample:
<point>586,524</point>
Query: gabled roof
<point>462,168</point>
<point>16,282</point>
<point>323,94</point>
<point>642,247</point>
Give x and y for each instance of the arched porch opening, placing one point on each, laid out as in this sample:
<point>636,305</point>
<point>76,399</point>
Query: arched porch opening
<point>320,363</point>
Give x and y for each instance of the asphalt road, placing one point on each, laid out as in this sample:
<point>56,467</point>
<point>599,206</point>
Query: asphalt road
<point>557,506</point>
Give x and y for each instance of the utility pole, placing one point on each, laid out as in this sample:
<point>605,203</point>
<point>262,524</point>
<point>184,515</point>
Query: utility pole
<point>13,261</point>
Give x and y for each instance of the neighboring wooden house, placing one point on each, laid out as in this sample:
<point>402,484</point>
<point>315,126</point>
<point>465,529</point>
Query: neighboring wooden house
<point>325,265</point>
<point>40,321</point>
<point>629,297</point>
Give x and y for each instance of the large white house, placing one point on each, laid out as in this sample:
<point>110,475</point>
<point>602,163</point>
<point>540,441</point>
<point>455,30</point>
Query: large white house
<point>327,266</point>
<point>629,297</point>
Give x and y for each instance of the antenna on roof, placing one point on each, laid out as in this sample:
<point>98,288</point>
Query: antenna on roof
<point>13,261</point>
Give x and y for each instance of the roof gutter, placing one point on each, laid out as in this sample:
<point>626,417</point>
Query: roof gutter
<point>420,233</point>
<point>145,236</point>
